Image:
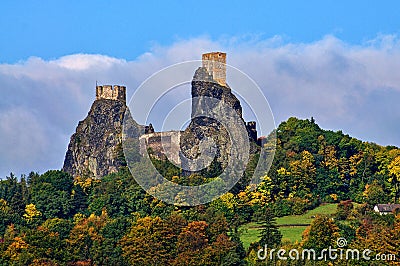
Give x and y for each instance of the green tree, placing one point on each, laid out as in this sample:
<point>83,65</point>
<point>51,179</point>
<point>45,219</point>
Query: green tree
<point>374,194</point>
<point>15,193</point>
<point>60,226</point>
<point>119,194</point>
<point>7,216</point>
<point>109,251</point>
<point>52,194</point>
<point>322,233</point>
<point>270,234</point>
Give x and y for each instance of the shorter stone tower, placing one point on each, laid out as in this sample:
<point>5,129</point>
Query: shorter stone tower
<point>215,63</point>
<point>115,92</point>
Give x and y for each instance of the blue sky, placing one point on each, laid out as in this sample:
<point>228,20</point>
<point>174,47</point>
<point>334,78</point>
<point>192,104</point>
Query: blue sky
<point>126,29</point>
<point>337,61</point>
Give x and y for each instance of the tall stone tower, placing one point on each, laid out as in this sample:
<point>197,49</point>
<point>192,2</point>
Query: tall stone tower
<point>215,63</point>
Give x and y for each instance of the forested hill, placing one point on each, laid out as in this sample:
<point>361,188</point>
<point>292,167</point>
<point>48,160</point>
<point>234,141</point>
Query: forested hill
<point>53,219</point>
<point>330,165</point>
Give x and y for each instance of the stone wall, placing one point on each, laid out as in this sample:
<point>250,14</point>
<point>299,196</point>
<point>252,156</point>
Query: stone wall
<point>163,145</point>
<point>110,92</point>
<point>215,63</point>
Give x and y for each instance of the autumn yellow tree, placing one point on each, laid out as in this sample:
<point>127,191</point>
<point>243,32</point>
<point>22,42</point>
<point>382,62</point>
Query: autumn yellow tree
<point>394,239</point>
<point>149,242</point>
<point>85,235</point>
<point>32,215</point>
<point>328,153</point>
<point>303,172</point>
<point>262,194</point>
<point>394,179</point>
<point>15,250</point>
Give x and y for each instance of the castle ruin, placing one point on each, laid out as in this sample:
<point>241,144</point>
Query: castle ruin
<point>212,79</point>
<point>110,92</point>
<point>95,147</point>
<point>163,145</point>
<point>215,63</point>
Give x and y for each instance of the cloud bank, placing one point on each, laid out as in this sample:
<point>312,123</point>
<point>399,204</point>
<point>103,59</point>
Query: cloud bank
<point>354,88</point>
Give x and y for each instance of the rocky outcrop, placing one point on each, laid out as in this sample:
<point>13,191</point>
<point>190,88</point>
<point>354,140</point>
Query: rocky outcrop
<point>95,149</point>
<point>223,102</point>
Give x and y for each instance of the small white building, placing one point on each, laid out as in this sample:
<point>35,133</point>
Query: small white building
<point>386,208</point>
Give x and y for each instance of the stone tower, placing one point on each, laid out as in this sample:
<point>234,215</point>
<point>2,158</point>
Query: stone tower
<point>215,63</point>
<point>115,92</point>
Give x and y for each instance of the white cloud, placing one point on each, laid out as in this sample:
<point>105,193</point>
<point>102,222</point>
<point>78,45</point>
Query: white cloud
<point>23,142</point>
<point>81,62</point>
<point>350,87</point>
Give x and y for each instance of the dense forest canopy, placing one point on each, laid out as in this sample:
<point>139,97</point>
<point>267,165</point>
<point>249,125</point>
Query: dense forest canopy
<point>53,219</point>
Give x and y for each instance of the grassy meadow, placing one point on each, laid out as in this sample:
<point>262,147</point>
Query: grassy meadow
<point>291,226</point>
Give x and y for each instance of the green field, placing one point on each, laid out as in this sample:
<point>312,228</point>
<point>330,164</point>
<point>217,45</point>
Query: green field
<point>291,226</point>
<point>292,233</point>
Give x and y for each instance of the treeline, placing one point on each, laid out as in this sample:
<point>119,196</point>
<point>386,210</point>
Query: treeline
<point>53,219</point>
<point>312,164</point>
